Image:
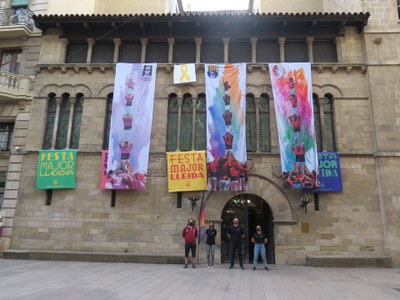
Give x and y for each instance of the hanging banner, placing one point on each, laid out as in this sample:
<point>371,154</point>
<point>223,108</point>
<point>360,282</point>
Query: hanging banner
<point>105,182</point>
<point>292,90</point>
<point>184,73</point>
<point>329,175</point>
<point>56,169</point>
<point>187,171</point>
<point>226,132</point>
<point>131,119</point>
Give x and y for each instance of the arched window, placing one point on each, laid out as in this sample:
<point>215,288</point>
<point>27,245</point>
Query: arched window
<point>107,124</point>
<point>317,123</point>
<point>324,123</point>
<point>172,122</point>
<point>51,116</point>
<point>200,138</point>
<point>76,123</point>
<point>186,125</point>
<point>328,130</point>
<point>186,122</point>
<point>64,119</point>
<point>251,130</point>
<point>265,128</point>
<point>62,128</point>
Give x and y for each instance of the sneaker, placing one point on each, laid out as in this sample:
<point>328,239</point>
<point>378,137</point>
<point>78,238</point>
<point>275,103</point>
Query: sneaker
<point>230,267</point>
<point>212,267</point>
<point>242,267</point>
<point>185,266</point>
<point>209,267</point>
<point>254,268</point>
<point>266,268</point>
<point>194,266</point>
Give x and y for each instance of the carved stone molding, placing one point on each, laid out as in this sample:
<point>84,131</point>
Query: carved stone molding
<point>90,68</point>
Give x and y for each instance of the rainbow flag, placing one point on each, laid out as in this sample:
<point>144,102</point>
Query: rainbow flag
<point>226,131</point>
<point>202,222</point>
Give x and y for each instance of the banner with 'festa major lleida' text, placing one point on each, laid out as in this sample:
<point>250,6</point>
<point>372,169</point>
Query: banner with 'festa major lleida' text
<point>226,131</point>
<point>292,91</point>
<point>130,130</point>
<point>186,171</point>
<point>56,169</point>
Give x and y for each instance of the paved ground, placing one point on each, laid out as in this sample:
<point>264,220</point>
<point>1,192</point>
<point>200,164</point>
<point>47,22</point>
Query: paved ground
<point>23,279</point>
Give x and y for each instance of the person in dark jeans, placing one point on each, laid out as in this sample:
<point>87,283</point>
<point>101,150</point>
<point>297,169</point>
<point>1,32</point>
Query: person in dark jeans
<point>210,244</point>
<point>236,235</point>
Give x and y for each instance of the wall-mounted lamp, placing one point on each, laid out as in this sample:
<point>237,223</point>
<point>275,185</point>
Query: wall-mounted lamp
<point>304,201</point>
<point>193,199</point>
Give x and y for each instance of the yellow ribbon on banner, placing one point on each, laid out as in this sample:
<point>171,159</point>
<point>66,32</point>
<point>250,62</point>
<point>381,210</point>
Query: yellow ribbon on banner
<point>184,71</point>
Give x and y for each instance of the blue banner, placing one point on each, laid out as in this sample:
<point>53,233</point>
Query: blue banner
<point>329,176</point>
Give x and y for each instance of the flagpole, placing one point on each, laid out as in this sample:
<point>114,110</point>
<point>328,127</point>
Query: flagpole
<point>201,225</point>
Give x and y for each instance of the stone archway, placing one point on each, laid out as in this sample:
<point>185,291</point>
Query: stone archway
<point>260,186</point>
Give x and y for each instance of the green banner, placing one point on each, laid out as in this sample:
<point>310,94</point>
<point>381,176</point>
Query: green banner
<point>56,169</point>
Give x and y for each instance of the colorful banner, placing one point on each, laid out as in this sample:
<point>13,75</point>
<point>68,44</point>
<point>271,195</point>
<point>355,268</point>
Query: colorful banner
<point>132,115</point>
<point>184,73</point>
<point>292,90</point>
<point>56,169</point>
<point>187,171</point>
<point>202,221</point>
<point>329,175</point>
<point>226,132</point>
<point>105,182</point>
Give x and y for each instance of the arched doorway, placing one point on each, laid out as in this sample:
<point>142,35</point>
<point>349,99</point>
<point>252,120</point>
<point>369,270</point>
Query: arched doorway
<point>251,211</point>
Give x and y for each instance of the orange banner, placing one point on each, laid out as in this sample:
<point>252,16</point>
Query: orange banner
<point>187,171</point>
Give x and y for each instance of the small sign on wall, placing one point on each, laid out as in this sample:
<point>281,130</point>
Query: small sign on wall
<point>56,169</point>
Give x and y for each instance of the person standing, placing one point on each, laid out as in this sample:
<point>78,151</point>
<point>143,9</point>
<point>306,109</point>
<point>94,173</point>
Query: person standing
<point>189,233</point>
<point>210,244</point>
<point>236,235</point>
<point>259,239</point>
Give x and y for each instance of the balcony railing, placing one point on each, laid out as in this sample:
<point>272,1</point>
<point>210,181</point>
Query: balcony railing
<point>19,16</point>
<point>14,86</point>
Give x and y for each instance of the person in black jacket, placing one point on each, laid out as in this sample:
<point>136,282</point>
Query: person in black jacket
<point>236,235</point>
<point>210,244</point>
<point>259,239</point>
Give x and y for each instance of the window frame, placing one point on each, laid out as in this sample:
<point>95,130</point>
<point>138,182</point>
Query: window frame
<point>10,132</point>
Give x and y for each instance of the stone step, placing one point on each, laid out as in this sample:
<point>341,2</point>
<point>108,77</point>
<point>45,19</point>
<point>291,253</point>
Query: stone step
<point>92,256</point>
<point>349,261</point>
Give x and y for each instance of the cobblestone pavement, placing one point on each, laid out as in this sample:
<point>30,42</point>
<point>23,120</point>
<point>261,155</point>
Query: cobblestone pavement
<point>28,279</point>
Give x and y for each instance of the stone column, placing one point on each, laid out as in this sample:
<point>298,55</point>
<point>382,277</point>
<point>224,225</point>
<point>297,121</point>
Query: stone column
<point>194,104</point>
<point>171,43</point>
<point>226,49</point>
<point>338,50</point>
<point>53,139</point>
<point>281,42</point>
<point>310,41</point>
<point>257,103</point>
<point>198,49</point>
<point>144,42</point>
<point>117,44</point>
<point>253,42</point>
<point>63,52</point>
<point>178,139</point>
<point>91,43</point>
<point>70,121</point>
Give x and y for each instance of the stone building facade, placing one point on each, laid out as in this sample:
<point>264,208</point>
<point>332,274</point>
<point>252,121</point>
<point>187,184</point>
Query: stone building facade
<point>355,60</point>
